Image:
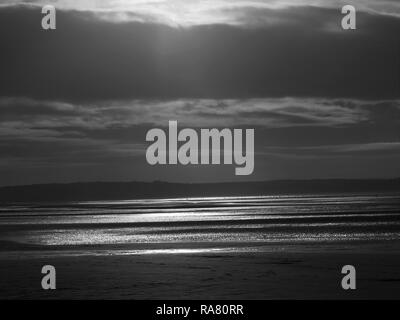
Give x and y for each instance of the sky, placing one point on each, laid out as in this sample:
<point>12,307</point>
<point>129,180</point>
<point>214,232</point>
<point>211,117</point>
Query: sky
<point>76,102</point>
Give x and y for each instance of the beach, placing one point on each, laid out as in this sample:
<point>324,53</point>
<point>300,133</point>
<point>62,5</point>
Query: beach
<point>197,276</point>
<point>291,247</point>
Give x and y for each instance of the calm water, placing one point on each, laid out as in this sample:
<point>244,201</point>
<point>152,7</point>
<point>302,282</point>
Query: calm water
<point>193,225</point>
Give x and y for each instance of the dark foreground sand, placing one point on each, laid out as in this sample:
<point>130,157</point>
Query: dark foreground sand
<point>282,275</point>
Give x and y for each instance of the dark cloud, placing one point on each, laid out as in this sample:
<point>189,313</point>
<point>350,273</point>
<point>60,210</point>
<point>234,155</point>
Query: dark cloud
<point>305,54</point>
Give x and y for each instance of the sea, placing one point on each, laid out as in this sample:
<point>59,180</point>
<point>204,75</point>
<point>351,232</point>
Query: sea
<point>201,225</point>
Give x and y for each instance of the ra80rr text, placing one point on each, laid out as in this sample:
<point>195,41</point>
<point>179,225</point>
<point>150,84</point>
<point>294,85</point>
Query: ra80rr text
<point>205,309</point>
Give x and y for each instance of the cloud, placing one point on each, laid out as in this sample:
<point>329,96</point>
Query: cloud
<point>374,149</point>
<point>116,123</point>
<point>15,107</point>
<point>268,112</point>
<point>303,57</point>
<point>64,141</point>
<point>184,13</point>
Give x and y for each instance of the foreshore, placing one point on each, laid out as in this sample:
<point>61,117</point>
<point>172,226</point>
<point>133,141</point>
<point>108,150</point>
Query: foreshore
<point>279,275</point>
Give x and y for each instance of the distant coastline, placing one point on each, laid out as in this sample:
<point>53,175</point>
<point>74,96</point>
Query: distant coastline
<point>82,191</point>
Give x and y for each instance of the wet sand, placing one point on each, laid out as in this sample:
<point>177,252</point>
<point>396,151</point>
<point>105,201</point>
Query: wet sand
<point>282,275</point>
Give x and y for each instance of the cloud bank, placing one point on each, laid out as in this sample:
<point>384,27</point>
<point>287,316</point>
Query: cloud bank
<point>186,13</point>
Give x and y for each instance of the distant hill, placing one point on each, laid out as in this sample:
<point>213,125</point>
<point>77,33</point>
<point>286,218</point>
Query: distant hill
<point>140,190</point>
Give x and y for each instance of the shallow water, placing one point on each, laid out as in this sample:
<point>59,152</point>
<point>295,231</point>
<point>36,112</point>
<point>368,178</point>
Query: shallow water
<point>200,225</point>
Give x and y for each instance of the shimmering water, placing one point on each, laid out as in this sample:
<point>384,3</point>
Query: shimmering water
<point>198,225</point>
